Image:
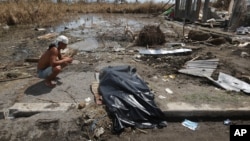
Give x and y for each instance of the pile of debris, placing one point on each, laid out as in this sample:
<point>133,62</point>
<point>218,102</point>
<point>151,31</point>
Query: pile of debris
<point>150,35</point>
<point>207,38</point>
<point>95,121</point>
<point>227,14</point>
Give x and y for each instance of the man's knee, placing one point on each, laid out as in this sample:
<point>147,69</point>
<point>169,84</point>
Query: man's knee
<point>57,69</point>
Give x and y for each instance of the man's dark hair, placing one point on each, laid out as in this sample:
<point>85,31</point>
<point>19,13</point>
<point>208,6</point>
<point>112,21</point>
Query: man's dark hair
<point>51,45</point>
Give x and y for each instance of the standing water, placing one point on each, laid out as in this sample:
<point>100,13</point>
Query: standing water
<point>95,30</point>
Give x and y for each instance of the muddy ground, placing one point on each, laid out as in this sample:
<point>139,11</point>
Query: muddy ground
<point>96,41</point>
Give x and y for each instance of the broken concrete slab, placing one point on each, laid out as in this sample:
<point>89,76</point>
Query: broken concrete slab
<point>28,109</point>
<point>200,67</point>
<point>231,83</point>
<point>42,106</point>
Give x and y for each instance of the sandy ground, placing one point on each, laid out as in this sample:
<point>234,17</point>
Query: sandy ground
<point>19,43</point>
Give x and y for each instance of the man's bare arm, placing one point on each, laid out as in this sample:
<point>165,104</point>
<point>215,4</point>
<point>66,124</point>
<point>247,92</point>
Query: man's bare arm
<point>54,58</point>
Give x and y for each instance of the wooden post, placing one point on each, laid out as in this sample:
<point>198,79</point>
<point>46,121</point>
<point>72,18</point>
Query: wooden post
<point>230,8</point>
<point>176,12</point>
<point>205,10</point>
<point>237,15</point>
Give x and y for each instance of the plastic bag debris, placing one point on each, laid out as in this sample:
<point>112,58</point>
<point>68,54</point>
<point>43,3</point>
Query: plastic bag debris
<point>95,121</point>
<point>162,97</point>
<point>129,101</point>
<point>190,124</point>
<point>227,122</point>
<point>169,91</point>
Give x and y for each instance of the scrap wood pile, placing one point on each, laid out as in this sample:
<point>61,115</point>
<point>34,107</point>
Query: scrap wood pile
<point>150,35</point>
<point>206,38</point>
<point>14,71</point>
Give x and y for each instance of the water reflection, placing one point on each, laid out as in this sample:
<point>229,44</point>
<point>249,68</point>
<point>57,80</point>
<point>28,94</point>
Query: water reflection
<point>87,44</point>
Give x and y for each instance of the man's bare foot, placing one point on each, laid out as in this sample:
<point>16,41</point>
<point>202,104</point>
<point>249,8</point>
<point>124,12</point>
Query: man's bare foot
<point>94,89</point>
<point>49,84</point>
<point>98,99</point>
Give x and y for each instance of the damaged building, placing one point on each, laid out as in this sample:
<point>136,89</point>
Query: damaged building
<point>240,15</point>
<point>237,14</point>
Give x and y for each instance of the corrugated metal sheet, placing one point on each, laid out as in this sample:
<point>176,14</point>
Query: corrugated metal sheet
<point>231,83</point>
<point>202,68</point>
<point>163,51</point>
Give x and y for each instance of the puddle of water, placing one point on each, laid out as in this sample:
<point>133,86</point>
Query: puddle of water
<point>95,21</point>
<point>85,21</point>
<point>109,27</point>
<point>87,45</point>
<point>69,25</point>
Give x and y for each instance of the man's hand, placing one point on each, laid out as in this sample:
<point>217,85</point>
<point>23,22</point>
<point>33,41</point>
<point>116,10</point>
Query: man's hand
<point>68,60</point>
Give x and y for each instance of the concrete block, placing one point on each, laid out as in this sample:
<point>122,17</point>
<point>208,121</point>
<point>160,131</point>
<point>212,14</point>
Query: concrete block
<point>29,109</point>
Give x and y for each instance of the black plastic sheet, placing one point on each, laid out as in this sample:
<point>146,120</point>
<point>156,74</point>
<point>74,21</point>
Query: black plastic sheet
<point>129,101</point>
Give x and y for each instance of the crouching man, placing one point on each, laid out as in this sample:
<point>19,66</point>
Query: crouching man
<point>51,62</point>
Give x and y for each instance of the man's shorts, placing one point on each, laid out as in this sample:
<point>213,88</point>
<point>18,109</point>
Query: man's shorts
<point>44,73</point>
